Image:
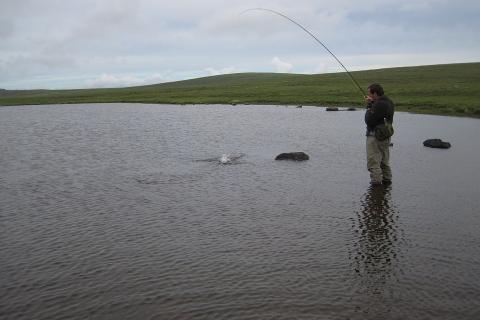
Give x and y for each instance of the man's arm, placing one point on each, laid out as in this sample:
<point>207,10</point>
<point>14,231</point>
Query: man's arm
<point>375,114</point>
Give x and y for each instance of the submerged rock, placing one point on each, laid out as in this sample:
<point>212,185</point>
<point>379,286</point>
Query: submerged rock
<point>436,143</point>
<point>297,156</point>
<point>331,109</point>
<point>352,109</point>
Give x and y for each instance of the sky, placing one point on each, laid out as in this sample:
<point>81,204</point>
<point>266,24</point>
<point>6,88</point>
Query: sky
<point>64,44</point>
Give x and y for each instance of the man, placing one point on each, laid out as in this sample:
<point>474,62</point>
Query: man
<point>379,109</point>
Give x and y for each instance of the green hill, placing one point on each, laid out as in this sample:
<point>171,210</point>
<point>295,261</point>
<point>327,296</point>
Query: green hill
<point>451,89</point>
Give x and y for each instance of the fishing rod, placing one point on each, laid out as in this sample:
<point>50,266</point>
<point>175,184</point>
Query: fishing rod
<point>316,39</point>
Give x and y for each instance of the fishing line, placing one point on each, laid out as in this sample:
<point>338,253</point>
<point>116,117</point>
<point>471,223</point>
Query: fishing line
<point>313,36</point>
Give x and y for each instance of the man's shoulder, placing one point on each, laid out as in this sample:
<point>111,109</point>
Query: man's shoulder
<point>385,101</point>
<point>384,98</point>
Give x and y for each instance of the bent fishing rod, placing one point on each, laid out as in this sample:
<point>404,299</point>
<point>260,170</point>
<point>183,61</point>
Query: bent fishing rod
<point>313,36</point>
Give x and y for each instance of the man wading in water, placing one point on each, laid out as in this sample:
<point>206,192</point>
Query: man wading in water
<point>379,109</point>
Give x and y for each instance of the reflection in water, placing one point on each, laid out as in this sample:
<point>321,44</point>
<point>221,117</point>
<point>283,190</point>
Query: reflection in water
<point>376,251</point>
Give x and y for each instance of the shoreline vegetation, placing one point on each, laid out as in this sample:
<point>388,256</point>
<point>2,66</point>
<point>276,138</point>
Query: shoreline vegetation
<point>447,89</point>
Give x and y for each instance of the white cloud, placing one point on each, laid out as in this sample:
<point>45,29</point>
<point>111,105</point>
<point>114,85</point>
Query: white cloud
<point>281,66</point>
<point>215,72</point>
<point>113,81</point>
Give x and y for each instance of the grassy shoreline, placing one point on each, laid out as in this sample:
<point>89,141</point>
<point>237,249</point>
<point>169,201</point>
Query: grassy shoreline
<point>450,89</point>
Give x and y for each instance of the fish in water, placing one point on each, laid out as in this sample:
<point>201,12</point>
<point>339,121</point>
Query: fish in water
<point>230,158</point>
<point>224,159</point>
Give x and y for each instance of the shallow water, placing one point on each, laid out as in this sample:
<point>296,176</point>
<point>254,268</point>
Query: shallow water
<point>130,211</point>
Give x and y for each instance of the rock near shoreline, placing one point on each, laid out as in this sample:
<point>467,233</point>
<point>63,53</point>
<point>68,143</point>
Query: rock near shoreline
<point>296,156</point>
<point>436,143</point>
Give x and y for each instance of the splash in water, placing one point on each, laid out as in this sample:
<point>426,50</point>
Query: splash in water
<point>230,158</point>
<point>225,158</point>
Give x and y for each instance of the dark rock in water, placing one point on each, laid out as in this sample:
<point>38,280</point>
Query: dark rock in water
<point>391,144</point>
<point>352,109</point>
<point>299,107</point>
<point>436,143</point>
<point>332,109</point>
<point>297,156</point>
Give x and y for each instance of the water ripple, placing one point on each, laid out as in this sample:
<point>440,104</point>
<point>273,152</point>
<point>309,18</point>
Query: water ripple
<point>129,212</point>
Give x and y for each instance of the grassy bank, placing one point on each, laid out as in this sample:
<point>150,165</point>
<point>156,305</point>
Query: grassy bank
<point>452,89</point>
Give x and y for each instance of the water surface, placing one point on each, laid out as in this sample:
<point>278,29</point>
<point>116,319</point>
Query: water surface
<point>131,211</point>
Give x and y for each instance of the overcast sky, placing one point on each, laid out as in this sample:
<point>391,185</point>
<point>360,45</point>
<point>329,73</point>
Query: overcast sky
<point>57,44</point>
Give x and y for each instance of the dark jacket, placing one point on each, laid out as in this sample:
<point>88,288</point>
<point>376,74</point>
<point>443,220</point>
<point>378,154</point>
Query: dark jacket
<point>379,110</point>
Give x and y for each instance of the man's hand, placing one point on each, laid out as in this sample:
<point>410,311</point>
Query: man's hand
<point>369,102</point>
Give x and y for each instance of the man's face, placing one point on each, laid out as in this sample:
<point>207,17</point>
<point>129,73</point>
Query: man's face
<point>372,96</point>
